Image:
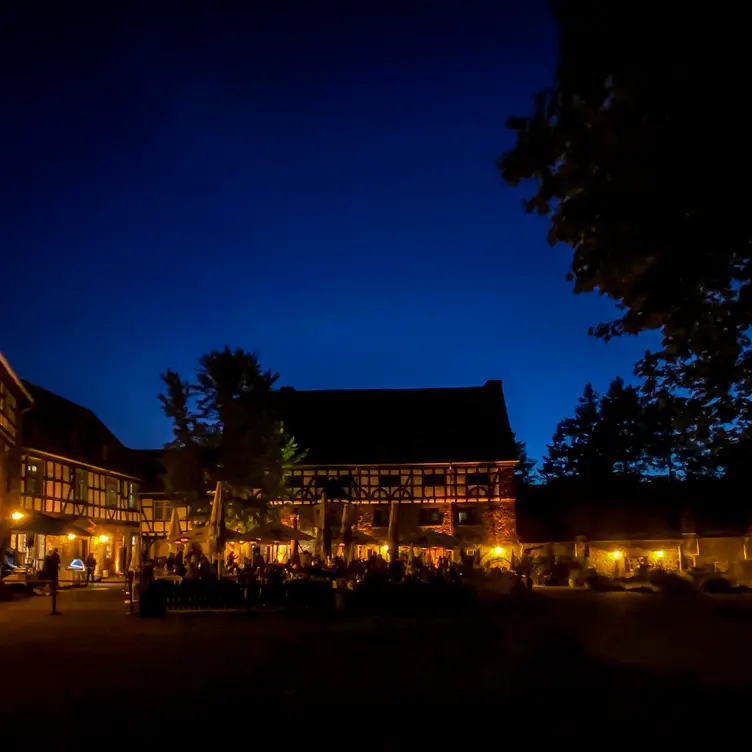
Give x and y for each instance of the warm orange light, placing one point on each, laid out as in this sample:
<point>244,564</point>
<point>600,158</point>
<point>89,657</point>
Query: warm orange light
<point>385,548</point>
<point>71,536</point>
<point>659,554</point>
<point>17,515</point>
<point>499,551</point>
<point>616,554</point>
<point>103,538</point>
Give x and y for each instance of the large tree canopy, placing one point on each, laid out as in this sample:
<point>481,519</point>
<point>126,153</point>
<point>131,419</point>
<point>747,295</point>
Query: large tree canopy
<point>641,154</point>
<point>226,428</point>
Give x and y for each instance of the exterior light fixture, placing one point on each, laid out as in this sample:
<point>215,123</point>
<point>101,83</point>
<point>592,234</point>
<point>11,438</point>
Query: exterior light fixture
<point>385,547</point>
<point>71,536</point>
<point>659,554</point>
<point>17,515</point>
<point>103,538</point>
<point>499,551</point>
<point>616,554</point>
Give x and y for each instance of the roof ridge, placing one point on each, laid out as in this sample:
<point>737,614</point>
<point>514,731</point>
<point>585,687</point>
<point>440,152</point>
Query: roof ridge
<point>32,386</point>
<point>381,390</point>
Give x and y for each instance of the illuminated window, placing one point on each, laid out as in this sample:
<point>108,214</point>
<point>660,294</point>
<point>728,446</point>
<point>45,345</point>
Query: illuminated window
<point>7,404</point>
<point>132,494</point>
<point>34,477</point>
<point>81,488</point>
<point>161,511</point>
<point>111,492</point>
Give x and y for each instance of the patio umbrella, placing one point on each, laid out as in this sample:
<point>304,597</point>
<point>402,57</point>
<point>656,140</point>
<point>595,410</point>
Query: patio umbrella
<point>430,539</point>
<point>216,528</point>
<point>359,538</point>
<point>135,564</point>
<point>269,533</point>
<point>173,533</point>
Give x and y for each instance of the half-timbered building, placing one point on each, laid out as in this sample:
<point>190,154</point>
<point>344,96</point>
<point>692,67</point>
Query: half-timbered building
<point>78,492</point>
<point>447,457</point>
<point>156,505</point>
<point>14,400</point>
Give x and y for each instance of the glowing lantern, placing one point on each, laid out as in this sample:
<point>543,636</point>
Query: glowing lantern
<point>103,538</point>
<point>17,515</point>
<point>616,554</point>
<point>499,551</point>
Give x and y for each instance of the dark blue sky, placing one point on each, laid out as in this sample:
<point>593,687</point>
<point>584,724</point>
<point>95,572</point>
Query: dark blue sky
<point>313,181</point>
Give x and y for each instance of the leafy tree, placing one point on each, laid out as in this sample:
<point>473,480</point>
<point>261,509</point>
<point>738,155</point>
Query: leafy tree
<point>636,151</point>
<point>670,438</point>
<point>226,428</point>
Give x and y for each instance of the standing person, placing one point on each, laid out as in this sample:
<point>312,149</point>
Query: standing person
<point>91,565</point>
<point>51,569</point>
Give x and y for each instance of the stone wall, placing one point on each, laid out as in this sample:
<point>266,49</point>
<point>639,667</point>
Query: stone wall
<point>499,523</point>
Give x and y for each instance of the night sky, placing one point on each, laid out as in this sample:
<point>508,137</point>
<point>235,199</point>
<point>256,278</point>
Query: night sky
<point>314,181</point>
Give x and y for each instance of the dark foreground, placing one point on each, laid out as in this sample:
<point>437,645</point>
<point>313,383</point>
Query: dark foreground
<point>583,656</point>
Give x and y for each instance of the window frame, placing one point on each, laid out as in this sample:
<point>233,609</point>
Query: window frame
<point>132,495</point>
<point>111,485</point>
<point>79,474</point>
<point>38,477</point>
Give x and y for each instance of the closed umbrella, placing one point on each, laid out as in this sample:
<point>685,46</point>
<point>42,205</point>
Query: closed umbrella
<point>173,533</point>
<point>135,564</point>
<point>217,528</point>
<point>320,545</point>
<point>394,532</point>
<point>346,532</point>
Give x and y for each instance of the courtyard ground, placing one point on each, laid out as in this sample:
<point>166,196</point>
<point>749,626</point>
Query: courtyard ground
<point>559,653</point>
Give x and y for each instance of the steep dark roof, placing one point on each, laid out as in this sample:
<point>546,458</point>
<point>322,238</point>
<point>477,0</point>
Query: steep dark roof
<point>59,426</point>
<point>372,426</point>
<point>11,374</point>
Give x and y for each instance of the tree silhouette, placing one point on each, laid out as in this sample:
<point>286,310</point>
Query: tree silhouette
<point>635,150</point>
<point>624,436</point>
<point>557,464</point>
<point>523,470</point>
<point>226,428</point>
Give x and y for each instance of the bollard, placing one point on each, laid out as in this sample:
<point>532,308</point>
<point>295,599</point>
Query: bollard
<point>54,611</point>
<point>129,594</point>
